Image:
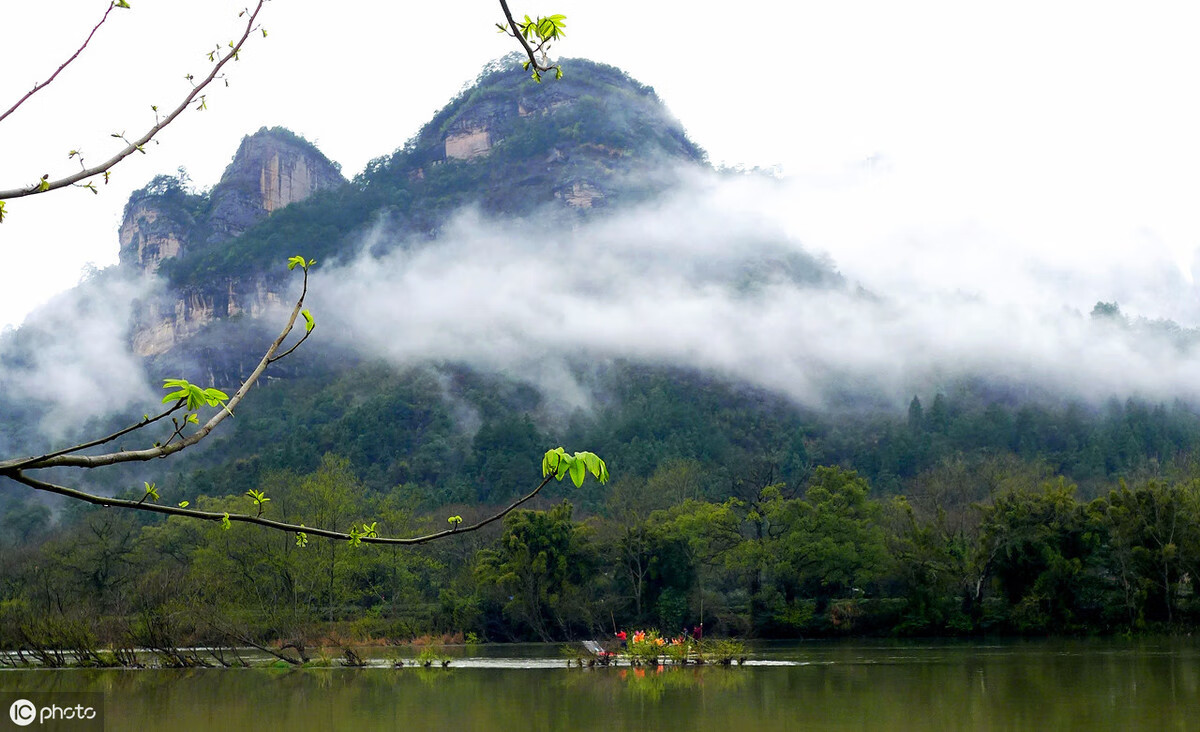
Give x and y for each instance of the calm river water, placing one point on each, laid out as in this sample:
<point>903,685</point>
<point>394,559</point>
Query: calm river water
<point>877,685</point>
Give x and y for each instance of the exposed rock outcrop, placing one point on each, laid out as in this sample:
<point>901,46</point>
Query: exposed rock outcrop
<point>468,144</point>
<point>594,140</point>
<point>163,323</point>
<point>272,169</point>
<point>581,195</point>
<point>150,233</point>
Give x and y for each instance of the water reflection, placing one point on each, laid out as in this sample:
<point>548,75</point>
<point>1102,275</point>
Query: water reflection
<point>1046,685</point>
<point>654,683</point>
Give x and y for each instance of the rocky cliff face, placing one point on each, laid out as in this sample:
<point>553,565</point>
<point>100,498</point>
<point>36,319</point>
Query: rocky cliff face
<point>158,223</point>
<point>163,323</point>
<point>468,143</point>
<point>594,140</point>
<point>576,139</point>
<point>272,168</point>
<point>149,235</point>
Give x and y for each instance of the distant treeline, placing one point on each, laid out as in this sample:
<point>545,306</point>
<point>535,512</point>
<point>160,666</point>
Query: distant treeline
<point>980,544</point>
<point>458,436</point>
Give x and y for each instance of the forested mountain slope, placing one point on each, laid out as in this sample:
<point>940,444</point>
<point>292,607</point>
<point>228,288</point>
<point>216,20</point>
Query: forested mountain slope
<point>532,161</point>
<point>540,265</point>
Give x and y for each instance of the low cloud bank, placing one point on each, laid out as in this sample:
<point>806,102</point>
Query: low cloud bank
<point>823,290</point>
<point>862,287</point>
<point>71,361</point>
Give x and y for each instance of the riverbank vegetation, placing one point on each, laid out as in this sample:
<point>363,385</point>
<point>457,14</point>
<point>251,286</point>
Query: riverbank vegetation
<point>989,544</point>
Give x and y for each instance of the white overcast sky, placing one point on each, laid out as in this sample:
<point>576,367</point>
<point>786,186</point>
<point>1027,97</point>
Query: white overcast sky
<point>1065,129</point>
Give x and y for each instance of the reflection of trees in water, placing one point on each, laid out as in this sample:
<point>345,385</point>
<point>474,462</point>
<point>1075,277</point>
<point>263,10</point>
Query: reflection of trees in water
<point>431,676</point>
<point>1085,684</point>
<point>651,683</point>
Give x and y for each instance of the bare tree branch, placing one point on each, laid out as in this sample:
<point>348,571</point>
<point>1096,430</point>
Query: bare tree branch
<point>288,352</point>
<point>146,421</point>
<point>37,87</point>
<point>109,502</point>
<point>137,145</point>
<point>94,461</point>
<point>17,469</point>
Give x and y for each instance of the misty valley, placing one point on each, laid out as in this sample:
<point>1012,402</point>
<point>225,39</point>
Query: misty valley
<point>859,451</point>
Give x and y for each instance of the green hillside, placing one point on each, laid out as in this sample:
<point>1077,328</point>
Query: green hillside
<point>596,127</point>
<point>983,507</point>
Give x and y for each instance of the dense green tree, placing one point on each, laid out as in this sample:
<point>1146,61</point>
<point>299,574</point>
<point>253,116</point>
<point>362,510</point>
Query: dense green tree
<point>928,566</point>
<point>1034,547</point>
<point>1152,545</point>
<point>831,541</point>
<point>536,573</point>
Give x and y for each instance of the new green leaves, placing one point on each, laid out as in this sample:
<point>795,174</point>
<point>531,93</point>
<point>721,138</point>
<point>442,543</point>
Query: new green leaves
<point>304,264</point>
<point>558,463</point>
<point>260,499</point>
<point>550,28</point>
<point>195,396</point>
<point>535,36</point>
<point>357,535</point>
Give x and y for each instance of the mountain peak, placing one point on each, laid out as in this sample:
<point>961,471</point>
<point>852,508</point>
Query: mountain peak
<point>272,168</point>
<point>573,140</point>
<point>593,140</point>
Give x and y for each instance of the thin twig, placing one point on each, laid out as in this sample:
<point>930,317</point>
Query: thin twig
<point>307,331</point>
<point>137,145</point>
<point>109,502</point>
<point>160,451</point>
<point>146,421</point>
<point>38,87</point>
<point>288,352</point>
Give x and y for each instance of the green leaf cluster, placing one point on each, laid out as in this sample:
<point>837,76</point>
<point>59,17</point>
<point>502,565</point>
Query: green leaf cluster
<point>357,535</point>
<point>259,498</point>
<point>195,396</point>
<point>558,463</point>
<point>549,28</point>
